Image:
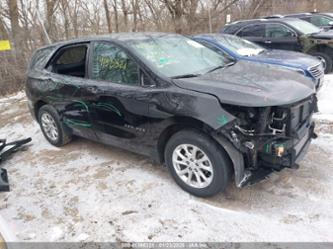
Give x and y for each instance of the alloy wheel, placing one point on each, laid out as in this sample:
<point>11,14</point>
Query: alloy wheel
<point>49,126</point>
<point>192,166</point>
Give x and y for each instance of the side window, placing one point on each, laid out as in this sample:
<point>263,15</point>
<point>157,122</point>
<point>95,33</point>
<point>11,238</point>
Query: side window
<point>111,63</point>
<point>70,61</point>
<point>252,31</point>
<point>278,31</point>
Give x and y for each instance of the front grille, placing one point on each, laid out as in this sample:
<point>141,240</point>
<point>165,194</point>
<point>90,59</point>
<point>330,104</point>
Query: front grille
<point>317,71</point>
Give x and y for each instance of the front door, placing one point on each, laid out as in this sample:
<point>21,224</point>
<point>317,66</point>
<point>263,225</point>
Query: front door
<point>278,36</point>
<point>118,102</point>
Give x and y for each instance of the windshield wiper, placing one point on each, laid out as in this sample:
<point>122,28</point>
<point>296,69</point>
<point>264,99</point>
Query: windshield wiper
<point>222,66</point>
<point>191,75</point>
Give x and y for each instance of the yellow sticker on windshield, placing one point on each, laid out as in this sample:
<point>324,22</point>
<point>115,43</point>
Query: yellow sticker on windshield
<point>4,45</point>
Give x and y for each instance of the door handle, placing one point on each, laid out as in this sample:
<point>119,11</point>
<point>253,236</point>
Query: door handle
<point>268,42</point>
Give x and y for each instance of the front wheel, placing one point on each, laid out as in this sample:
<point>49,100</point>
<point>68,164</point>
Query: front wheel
<point>197,163</point>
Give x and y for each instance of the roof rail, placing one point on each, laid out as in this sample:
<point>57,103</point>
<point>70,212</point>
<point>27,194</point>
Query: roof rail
<point>273,16</point>
<point>249,20</point>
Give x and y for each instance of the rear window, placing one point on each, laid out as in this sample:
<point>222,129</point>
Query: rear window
<point>40,58</point>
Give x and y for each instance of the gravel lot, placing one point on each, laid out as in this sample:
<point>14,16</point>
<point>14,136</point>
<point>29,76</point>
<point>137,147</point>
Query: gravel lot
<point>86,191</point>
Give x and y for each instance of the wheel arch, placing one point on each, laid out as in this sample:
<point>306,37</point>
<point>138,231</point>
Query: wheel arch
<point>181,123</point>
<point>37,107</point>
<point>324,48</point>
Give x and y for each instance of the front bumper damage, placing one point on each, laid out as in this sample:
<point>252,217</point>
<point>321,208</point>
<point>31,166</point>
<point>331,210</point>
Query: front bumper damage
<point>280,139</point>
<point>7,149</point>
<point>270,163</point>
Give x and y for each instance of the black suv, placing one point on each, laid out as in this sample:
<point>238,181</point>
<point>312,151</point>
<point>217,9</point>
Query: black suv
<point>287,34</point>
<point>321,20</point>
<point>168,97</point>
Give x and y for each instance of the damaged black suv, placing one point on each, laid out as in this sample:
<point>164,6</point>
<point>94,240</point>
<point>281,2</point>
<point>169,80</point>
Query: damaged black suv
<point>205,116</point>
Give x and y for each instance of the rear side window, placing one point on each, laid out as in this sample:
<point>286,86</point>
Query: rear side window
<point>253,31</point>
<point>40,58</point>
<point>72,55</point>
<point>70,61</point>
<point>111,63</point>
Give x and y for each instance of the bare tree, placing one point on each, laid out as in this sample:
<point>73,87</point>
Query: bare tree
<point>116,16</point>
<point>176,10</point>
<point>107,15</point>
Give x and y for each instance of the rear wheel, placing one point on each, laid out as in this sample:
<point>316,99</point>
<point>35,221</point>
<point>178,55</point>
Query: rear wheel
<point>197,163</point>
<point>326,59</point>
<point>54,130</point>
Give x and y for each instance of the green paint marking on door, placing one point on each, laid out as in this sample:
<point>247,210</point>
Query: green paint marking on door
<point>108,107</point>
<point>222,120</point>
<point>72,122</point>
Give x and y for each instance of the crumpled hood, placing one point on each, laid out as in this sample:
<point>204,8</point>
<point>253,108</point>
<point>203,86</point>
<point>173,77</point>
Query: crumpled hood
<point>252,84</point>
<point>287,58</point>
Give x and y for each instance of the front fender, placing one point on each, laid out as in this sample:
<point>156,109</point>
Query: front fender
<point>185,103</point>
<point>236,158</point>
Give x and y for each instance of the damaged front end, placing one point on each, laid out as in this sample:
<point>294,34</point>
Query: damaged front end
<point>269,138</point>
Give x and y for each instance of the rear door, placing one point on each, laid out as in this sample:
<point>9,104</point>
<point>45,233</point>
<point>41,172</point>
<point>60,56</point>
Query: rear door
<point>279,36</point>
<point>64,81</point>
<point>118,102</point>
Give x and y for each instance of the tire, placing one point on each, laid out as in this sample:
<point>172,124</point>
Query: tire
<point>219,173</point>
<point>48,115</point>
<point>326,58</point>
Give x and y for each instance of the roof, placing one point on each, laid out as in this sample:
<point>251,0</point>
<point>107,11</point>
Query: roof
<point>112,37</point>
<point>263,20</point>
<point>212,35</point>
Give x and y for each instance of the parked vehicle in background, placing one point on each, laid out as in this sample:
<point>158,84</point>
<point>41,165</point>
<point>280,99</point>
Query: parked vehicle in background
<point>241,49</point>
<point>168,97</point>
<point>287,34</point>
<point>321,20</point>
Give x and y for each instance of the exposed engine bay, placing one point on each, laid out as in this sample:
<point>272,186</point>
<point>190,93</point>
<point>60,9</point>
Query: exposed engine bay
<point>271,138</point>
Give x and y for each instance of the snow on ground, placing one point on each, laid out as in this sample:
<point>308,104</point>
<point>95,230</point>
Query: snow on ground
<point>325,103</point>
<point>86,191</point>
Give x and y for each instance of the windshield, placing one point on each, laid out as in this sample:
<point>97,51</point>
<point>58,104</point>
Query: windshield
<point>321,20</point>
<point>176,55</point>
<point>239,46</point>
<point>329,14</point>
<point>304,27</point>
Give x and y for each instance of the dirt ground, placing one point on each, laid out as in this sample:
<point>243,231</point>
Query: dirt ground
<point>86,191</point>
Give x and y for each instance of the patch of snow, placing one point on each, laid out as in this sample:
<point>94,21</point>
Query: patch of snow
<point>325,100</point>
<point>82,237</point>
